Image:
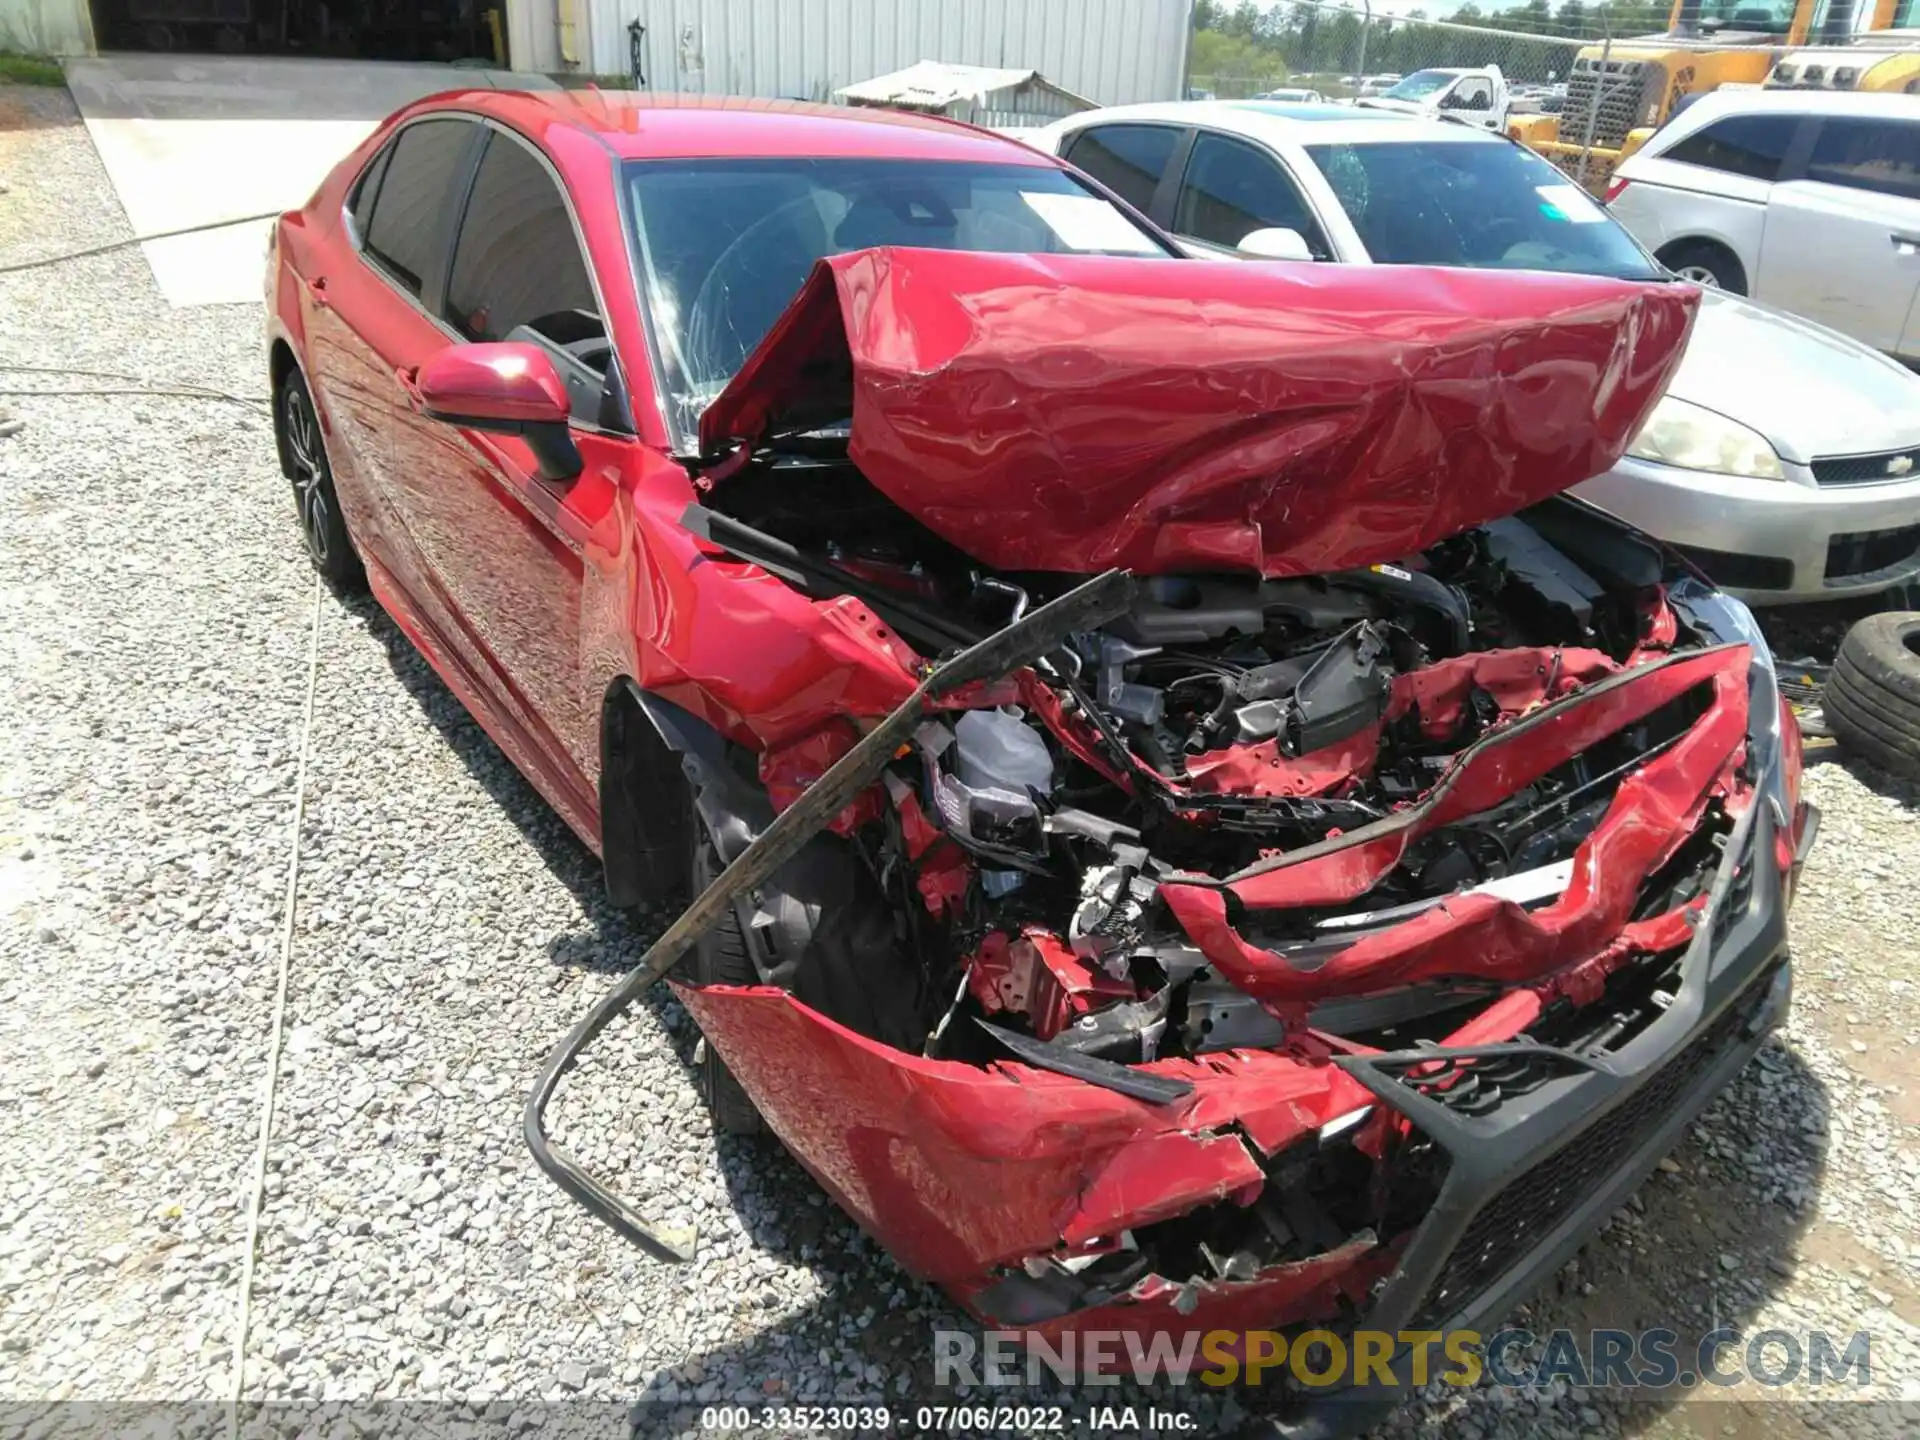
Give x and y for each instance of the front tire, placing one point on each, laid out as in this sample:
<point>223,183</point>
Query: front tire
<point>722,957</point>
<point>303,455</point>
<point>1706,263</point>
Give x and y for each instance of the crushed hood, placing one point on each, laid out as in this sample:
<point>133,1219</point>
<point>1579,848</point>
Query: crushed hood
<point>1071,413</point>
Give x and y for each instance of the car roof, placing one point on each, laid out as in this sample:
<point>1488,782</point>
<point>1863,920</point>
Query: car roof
<point>634,125</point>
<point>1282,122</point>
<point>1878,104</point>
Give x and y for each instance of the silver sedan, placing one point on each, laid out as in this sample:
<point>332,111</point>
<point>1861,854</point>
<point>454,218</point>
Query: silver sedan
<point>1785,457</point>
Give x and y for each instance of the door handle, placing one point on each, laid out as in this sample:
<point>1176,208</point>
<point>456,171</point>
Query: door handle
<point>406,378</point>
<point>317,290</point>
<point>1905,244</point>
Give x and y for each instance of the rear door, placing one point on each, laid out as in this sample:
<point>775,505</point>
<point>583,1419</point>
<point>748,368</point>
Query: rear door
<point>507,548</point>
<point>1138,162</point>
<point>1843,232</point>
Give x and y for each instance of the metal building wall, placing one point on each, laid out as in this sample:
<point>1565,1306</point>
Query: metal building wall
<point>1111,51</point>
<point>533,34</point>
<point>46,27</point>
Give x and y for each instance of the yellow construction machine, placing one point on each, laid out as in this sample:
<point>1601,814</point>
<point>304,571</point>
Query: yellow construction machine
<point>1886,58</point>
<point>1619,93</point>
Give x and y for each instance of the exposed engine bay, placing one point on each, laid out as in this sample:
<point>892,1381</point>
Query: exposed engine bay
<point>1012,865</point>
<point>1086,869</point>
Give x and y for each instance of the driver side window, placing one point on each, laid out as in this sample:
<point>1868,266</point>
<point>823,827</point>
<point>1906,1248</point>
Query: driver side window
<point>517,261</point>
<point>1232,189</point>
<point>518,273</point>
<point>1471,95</point>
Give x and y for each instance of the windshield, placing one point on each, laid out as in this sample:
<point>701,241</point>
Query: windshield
<point>725,244</point>
<point>1765,17</point>
<point>1418,85</point>
<point>1480,204</point>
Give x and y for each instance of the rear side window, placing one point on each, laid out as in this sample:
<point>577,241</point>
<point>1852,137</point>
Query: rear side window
<point>407,228</point>
<point>1881,155</point>
<point>367,189</point>
<point>1749,145</point>
<point>518,262</point>
<point>1128,159</point>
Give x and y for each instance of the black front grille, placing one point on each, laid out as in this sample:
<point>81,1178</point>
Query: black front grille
<point>1851,556</point>
<point>1614,94</point>
<point>1743,572</point>
<point>1867,469</point>
<point>1479,1084</point>
<point>1528,1208</point>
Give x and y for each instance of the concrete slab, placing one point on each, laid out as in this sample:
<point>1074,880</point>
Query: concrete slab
<point>191,139</point>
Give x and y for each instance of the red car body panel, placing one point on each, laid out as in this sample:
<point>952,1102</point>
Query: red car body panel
<point>1049,413</point>
<point>1482,936</point>
<point>957,1169</point>
<point>1076,412</point>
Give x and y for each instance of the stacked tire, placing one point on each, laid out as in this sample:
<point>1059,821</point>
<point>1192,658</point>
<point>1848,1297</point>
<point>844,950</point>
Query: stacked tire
<point>1872,699</point>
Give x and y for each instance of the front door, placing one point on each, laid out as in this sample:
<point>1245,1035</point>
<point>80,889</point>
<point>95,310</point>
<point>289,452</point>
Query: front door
<point>506,547</point>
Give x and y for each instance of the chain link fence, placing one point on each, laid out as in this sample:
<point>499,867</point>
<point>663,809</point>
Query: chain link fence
<point>1577,86</point>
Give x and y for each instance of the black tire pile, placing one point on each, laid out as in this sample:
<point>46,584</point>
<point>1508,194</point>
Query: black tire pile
<point>1872,697</point>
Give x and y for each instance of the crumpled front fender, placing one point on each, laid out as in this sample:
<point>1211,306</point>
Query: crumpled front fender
<point>959,1168</point>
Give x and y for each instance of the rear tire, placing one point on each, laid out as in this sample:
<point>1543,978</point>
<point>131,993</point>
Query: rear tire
<point>722,957</point>
<point>1872,698</point>
<point>1705,262</point>
<point>303,455</point>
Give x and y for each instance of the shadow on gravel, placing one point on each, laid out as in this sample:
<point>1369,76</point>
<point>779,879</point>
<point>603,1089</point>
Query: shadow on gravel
<point>1814,632</point>
<point>1705,1243</point>
<point>614,940</point>
<point>34,107</point>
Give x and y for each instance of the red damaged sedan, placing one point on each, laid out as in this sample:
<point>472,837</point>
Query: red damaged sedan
<point>1175,819</point>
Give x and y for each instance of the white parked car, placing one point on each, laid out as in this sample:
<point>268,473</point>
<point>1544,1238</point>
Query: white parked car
<point>1292,95</point>
<point>1477,96</point>
<point>1808,200</point>
<point>1785,457</point>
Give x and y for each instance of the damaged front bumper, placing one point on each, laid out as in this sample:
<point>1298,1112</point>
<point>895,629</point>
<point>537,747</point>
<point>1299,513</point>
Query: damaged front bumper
<point>1531,1182</point>
<point>963,1171</point>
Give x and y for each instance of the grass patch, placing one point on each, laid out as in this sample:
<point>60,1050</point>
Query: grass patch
<point>30,69</point>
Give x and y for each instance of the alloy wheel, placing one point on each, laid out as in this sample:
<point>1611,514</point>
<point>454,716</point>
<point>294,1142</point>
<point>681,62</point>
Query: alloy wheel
<point>309,473</point>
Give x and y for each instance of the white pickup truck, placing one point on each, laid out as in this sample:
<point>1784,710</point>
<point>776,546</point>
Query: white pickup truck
<point>1477,96</point>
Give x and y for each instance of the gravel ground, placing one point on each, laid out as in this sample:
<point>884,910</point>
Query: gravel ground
<point>155,618</point>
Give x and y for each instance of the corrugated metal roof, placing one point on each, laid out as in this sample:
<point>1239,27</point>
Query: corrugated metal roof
<point>934,85</point>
